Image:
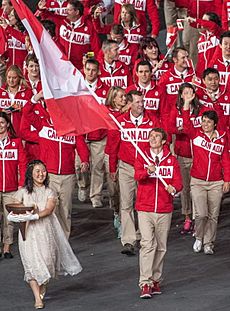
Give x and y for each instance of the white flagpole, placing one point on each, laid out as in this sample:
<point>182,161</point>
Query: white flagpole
<point>138,150</point>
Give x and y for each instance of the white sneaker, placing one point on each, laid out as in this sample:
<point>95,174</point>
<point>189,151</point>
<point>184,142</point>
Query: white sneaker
<point>82,195</point>
<point>197,246</point>
<point>208,250</point>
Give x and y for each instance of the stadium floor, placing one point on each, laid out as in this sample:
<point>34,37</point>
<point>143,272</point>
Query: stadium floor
<point>108,282</point>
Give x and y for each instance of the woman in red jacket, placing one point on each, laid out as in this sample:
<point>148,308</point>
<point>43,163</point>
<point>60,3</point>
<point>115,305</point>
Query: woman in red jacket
<point>182,146</point>
<point>12,161</point>
<point>150,51</point>
<point>16,39</point>
<point>133,30</point>
<point>210,174</point>
<point>14,95</point>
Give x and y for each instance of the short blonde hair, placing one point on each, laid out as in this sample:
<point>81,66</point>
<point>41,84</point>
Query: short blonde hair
<point>111,95</point>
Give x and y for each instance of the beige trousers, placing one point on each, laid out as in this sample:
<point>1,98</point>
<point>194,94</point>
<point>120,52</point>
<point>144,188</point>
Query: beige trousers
<point>64,186</point>
<point>186,202</point>
<point>112,187</point>
<point>190,35</point>
<point>7,226</point>
<point>206,196</point>
<point>128,187</point>
<point>154,229</point>
<point>97,154</point>
<point>190,38</point>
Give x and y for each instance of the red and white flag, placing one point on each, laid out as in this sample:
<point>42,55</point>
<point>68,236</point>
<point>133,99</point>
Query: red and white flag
<point>71,105</point>
<point>171,36</point>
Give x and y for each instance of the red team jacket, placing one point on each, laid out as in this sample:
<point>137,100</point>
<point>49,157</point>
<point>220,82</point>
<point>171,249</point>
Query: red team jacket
<point>12,158</point>
<point>30,134</point>
<point>152,98</point>
<point>75,40</point>
<point>218,63</point>
<point>221,105</point>
<point>169,84</point>
<point>225,14</point>
<point>57,6</point>
<point>211,160</point>
<point>127,53</point>
<point>119,145</point>
<point>16,48</point>
<point>182,143</point>
<point>20,99</point>
<point>207,44</point>
<point>121,75</point>
<point>151,193</point>
<point>57,152</point>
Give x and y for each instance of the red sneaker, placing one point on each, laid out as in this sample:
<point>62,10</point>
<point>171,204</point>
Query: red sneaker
<point>156,290</point>
<point>187,225</point>
<point>146,292</point>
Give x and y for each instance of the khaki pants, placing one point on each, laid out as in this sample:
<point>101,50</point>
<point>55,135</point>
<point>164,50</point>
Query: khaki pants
<point>128,187</point>
<point>112,187</point>
<point>206,196</point>
<point>172,13</point>
<point>97,168</point>
<point>64,186</point>
<point>7,226</point>
<point>154,229</point>
<point>190,38</point>
<point>185,167</point>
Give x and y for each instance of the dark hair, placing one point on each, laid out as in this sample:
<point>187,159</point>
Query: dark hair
<point>31,58</point>
<point>19,24</point>
<point>209,70</point>
<point>177,50</point>
<point>212,115</point>
<point>180,102</point>
<point>92,61</point>
<point>50,26</point>
<point>225,34</point>
<point>148,42</point>
<point>117,29</point>
<point>130,94</point>
<point>29,183</point>
<point>144,63</point>
<point>77,6</point>
<point>159,130</point>
<point>10,130</point>
<point>213,17</point>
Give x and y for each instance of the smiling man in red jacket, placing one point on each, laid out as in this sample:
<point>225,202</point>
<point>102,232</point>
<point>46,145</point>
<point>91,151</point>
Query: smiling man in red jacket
<point>155,205</point>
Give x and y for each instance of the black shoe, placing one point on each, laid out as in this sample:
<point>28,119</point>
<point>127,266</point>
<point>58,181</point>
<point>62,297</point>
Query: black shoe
<point>8,255</point>
<point>128,249</point>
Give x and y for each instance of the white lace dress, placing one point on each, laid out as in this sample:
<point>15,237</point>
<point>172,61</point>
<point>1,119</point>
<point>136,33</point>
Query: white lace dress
<point>46,252</point>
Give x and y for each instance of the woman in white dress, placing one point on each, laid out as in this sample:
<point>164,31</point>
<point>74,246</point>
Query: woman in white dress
<point>46,252</point>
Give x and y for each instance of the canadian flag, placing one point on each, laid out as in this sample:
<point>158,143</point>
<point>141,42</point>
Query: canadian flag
<point>171,36</point>
<point>72,106</point>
